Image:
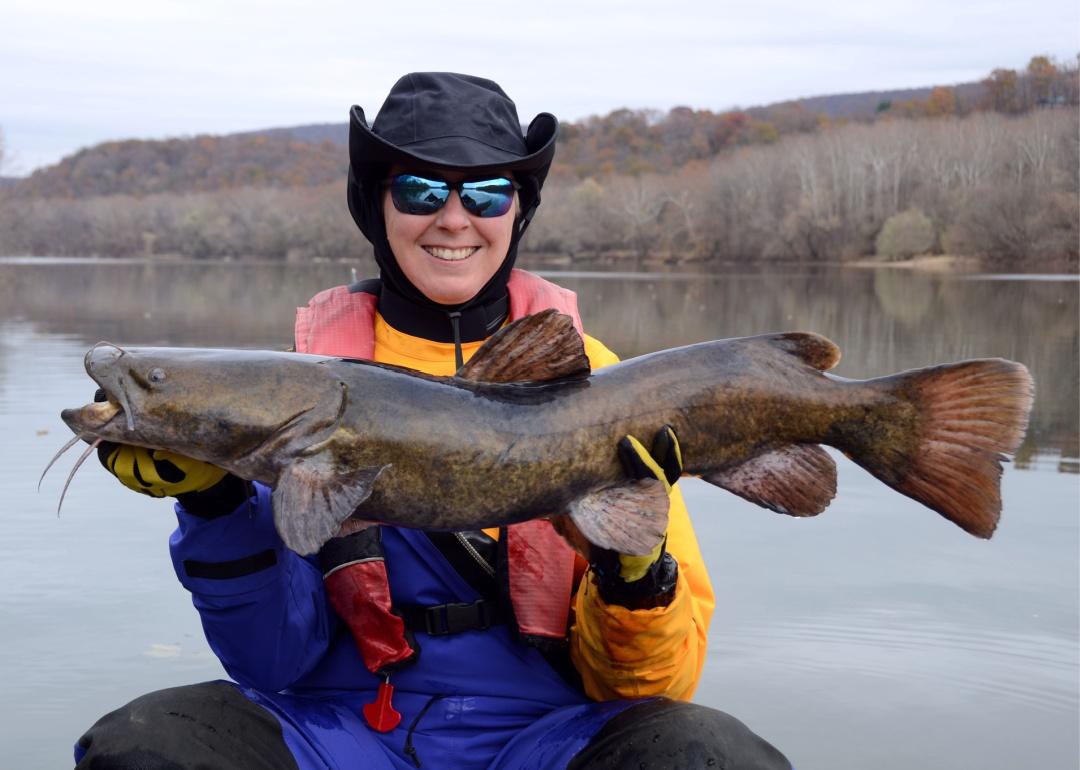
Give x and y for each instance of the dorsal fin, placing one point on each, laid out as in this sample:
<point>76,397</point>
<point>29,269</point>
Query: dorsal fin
<point>815,350</point>
<point>537,348</point>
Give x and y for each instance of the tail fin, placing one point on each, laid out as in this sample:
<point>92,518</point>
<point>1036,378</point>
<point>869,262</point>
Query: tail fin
<point>969,413</point>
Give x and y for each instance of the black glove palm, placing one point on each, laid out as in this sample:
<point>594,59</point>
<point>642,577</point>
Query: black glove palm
<point>649,580</point>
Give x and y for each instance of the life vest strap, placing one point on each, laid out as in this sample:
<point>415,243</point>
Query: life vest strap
<point>444,619</point>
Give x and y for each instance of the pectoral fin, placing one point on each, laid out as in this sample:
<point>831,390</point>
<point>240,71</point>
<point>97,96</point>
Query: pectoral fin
<point>311,500</point>
<point>799,480</point>
<point>629,518</point>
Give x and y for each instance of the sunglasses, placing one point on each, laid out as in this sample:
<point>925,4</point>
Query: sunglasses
<point>414,194</point>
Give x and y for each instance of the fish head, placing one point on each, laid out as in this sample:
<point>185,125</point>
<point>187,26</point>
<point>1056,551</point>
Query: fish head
<point>231,408</point>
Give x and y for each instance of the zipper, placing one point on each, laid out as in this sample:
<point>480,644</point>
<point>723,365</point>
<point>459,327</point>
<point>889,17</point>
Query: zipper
<point>475,554</point>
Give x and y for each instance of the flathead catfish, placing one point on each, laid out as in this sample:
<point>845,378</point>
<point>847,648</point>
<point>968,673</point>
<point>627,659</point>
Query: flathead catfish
<point>524,430</point>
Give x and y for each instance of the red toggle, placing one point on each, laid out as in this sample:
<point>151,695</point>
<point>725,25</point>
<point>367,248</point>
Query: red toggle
<point>381,715</point>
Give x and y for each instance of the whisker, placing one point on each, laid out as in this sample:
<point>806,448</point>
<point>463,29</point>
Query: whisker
<point>56,457</point>
<point>71,475</point>
<point>125,404</point>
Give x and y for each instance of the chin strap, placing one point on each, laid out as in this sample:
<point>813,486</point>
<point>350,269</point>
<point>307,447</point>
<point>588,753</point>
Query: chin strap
<point>527,214</point>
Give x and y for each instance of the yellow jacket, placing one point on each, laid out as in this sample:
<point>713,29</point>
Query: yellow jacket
<point>620,653</point>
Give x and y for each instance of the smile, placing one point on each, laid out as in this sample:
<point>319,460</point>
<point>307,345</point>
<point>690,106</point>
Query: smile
<point>451,255</point>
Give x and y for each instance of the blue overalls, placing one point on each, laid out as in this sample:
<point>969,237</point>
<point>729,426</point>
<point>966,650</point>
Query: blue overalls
<point>487,700</point>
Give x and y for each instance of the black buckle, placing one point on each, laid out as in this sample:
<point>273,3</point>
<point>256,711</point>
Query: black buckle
<point>444,619</point>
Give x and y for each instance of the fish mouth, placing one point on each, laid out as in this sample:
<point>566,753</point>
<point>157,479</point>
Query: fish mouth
<point>94,419</point>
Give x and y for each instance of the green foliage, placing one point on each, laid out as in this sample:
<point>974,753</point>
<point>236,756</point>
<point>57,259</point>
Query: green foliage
<point>905,235</point>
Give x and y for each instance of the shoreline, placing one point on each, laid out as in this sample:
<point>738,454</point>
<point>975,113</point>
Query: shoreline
<point>951,264</point>
<point>935,263</point>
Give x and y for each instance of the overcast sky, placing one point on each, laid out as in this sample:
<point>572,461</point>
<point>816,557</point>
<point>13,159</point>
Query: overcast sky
<point>76,73</point>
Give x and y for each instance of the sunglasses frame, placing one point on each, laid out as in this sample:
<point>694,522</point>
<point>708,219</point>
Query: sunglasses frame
<point>458,187</point>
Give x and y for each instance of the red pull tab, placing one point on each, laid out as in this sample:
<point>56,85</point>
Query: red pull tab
<point>380,715</point>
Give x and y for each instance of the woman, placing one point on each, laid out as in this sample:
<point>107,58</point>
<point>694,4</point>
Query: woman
<point>397,648</point>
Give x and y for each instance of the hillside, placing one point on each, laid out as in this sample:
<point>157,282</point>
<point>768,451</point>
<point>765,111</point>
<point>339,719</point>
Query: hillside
<point>313,133</point>
<point>852,106</point>
<point>187,165</point>
<point>624,141</point>
<point>1001,187</point>
<point>865,105</point>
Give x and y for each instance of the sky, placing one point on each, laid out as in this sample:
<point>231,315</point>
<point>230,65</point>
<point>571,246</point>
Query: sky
<point>73,74</point>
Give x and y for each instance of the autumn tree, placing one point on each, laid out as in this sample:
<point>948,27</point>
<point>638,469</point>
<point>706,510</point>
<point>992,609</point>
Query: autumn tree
<point>940,103</point>
<point>1041,77</point>
<point>1002,91</point>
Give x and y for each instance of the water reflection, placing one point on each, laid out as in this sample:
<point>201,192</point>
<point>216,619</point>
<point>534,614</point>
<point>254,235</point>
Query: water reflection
<point>838,637</point>
<point>883,320</point>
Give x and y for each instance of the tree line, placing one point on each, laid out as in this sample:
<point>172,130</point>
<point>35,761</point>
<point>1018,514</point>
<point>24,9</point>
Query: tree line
<point>989,185</point>
<point>992,174</point>
<point>625,141</point>
<point>187,165</point>
<point>1000,187</point>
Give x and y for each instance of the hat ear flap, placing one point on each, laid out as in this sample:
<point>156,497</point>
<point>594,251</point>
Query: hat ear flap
<point>529,196</point>
<point>365,205</point>
<point>355,197</point>
<point>543,130</point>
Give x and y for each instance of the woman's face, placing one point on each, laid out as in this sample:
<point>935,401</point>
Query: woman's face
<point>451,254</point>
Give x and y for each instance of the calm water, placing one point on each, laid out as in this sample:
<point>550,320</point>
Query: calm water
<point>874,636</point>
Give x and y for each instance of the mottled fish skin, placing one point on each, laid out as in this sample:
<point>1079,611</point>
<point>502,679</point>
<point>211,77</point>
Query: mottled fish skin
<point>458,454</point>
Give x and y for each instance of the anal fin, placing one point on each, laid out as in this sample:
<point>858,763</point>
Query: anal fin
<point>799,480</point>
<point>311,501</point>
<point>628,518</point>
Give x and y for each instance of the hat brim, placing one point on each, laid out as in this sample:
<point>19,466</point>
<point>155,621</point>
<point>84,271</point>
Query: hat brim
<point>368,150</point>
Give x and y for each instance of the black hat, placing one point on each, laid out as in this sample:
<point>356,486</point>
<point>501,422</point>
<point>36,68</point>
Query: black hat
<point>444,120</point>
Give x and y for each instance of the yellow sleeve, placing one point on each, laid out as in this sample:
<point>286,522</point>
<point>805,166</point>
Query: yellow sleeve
<point>599,356</point>
<point>622,653</point>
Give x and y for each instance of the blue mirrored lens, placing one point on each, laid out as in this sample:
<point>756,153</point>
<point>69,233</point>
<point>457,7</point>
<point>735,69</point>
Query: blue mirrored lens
<point>487,198</point>
<point>413,194</point>
<point>416,195</point>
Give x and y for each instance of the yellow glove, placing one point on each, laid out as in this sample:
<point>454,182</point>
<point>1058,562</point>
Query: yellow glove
<point>645,581</point>
<point>158,472</point>
<point>663,463</point>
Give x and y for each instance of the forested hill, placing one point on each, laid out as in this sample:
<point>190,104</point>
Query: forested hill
<point>197,164</point>
<point>624,141</point>
<point>866,104</point>
<point>315,133</point>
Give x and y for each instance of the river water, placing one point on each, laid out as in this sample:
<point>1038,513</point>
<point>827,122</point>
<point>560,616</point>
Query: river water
<point>876,635</point>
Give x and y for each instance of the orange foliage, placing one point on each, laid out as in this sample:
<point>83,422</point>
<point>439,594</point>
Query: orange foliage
<point>940,103</point>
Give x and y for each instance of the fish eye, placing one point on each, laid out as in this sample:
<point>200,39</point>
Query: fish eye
<point>156,375</point>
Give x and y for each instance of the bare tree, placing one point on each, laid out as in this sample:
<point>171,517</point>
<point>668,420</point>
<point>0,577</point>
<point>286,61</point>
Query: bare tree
<point>999,186</point>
